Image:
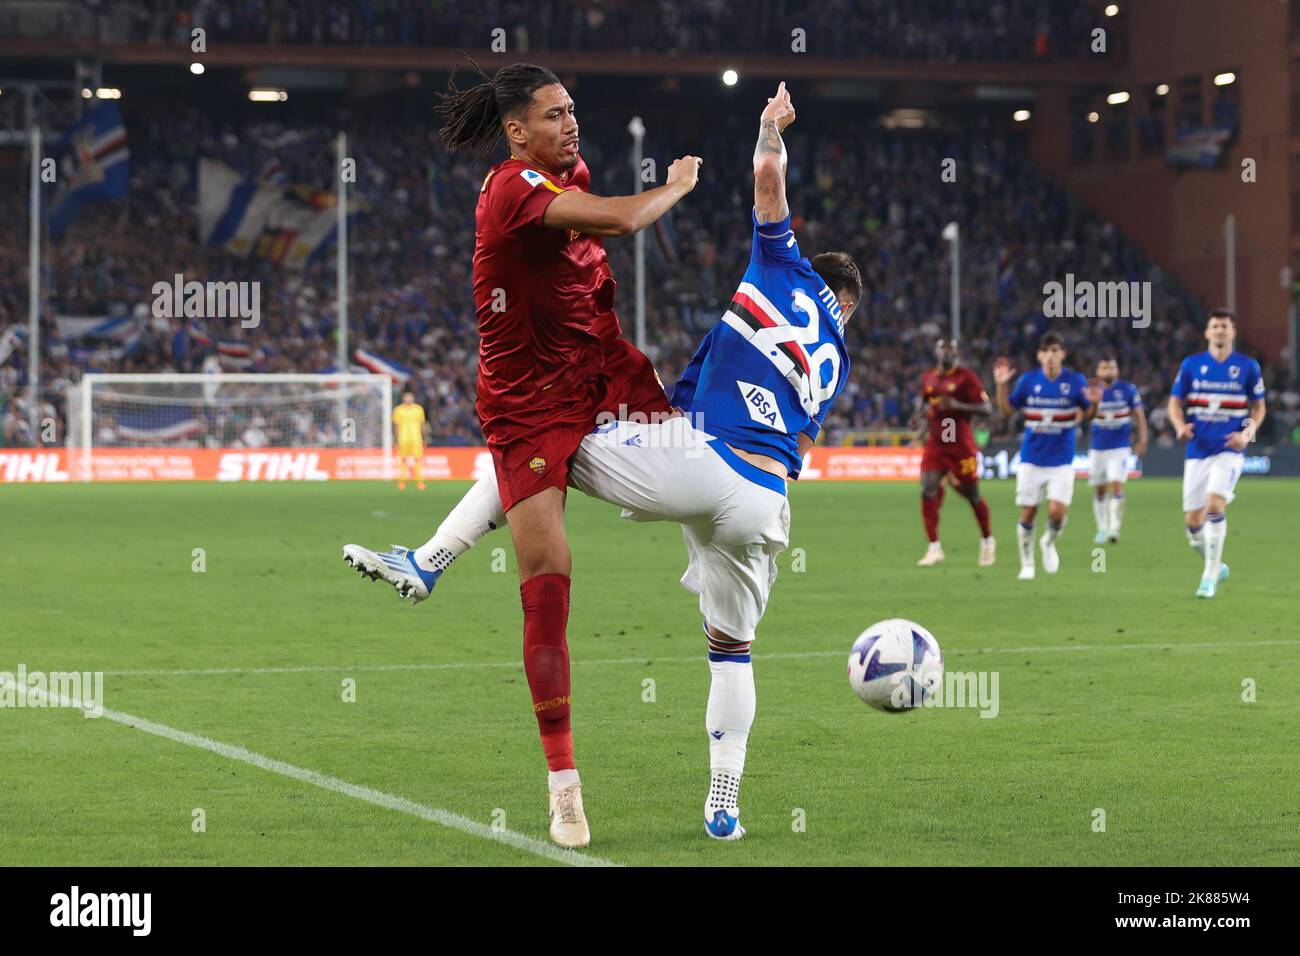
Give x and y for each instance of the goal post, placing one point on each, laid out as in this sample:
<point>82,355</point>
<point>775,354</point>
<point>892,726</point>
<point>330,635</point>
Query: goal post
<point>257,414</point>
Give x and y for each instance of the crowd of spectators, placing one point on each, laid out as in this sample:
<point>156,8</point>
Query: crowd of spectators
<point>930,30</point>
<point>875,193</point>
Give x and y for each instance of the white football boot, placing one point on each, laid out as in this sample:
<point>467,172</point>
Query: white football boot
<point>988,551</point>
<point>933,556</point>
<point>568,819</point>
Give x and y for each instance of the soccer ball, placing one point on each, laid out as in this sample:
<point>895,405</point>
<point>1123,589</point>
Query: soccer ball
<point>895,665</point>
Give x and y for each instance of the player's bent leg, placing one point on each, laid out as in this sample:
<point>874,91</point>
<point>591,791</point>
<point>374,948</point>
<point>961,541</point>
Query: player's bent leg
<point>476,514</point>
<point>537,528</point>
<point>413,574</point>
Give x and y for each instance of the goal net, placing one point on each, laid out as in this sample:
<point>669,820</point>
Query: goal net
<point>109,413</point>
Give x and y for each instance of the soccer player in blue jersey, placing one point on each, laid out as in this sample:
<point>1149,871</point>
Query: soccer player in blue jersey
<point>1216,406</point>
<point>754,398</point>
<point>1109,444</point>
<point>1054,401</point>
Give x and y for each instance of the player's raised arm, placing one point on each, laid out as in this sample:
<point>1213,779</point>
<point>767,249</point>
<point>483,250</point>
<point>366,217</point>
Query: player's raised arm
<point>770,159</point>
<point>622,215</point>
<point>1003,373</point>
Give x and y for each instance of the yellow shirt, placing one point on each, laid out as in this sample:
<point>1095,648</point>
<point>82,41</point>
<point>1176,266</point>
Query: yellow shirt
<point>409,420</point>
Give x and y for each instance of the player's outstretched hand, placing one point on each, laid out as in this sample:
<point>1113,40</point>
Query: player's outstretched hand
<point>779,108</point>
<point>1002,371</point>
<point>1185,431</point>
<point>685,171</point>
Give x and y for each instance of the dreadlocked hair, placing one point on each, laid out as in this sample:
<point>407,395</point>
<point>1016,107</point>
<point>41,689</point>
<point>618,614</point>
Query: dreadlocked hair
<point>472,117</point>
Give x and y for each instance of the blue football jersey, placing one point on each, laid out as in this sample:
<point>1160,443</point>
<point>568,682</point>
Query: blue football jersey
<point>1216,398</point>
<point>1113,426</point>
<point>1048,405</point>
<point>775,361</point>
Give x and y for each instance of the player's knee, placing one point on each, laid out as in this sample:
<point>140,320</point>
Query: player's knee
<point>722,646</point>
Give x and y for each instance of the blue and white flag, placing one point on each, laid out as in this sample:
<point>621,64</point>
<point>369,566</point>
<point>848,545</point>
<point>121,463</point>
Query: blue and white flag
<point>252,219</point>
<point>376,363</point>
<point>92,163</point>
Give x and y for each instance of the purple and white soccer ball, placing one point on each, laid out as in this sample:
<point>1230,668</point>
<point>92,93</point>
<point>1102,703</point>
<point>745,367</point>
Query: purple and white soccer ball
<point>896,665</point>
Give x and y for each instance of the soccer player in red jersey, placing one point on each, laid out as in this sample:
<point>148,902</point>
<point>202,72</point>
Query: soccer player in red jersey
<point>550,355</point>
<point>951,395</point>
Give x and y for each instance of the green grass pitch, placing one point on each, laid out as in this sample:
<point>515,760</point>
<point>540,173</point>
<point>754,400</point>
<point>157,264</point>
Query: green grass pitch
<point>1119,691</point>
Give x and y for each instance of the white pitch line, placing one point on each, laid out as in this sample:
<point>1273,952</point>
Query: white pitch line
<point>654,659</point>
<point>436,815</point>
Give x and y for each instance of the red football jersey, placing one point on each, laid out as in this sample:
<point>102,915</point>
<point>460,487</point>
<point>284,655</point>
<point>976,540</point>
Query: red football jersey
<point>963,385</point>
<point>545,303</point>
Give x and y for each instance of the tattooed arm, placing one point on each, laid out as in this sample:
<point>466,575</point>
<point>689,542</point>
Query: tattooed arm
<point>770,159</point>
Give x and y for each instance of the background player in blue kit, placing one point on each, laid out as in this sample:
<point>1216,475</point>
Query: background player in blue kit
<point>1054,400</point>
<point>1216,405</point>
<point>1109,444</point>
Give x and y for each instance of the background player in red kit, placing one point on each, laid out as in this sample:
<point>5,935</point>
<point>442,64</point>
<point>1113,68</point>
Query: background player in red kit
<point>951,395</point>
<point>550,356</point>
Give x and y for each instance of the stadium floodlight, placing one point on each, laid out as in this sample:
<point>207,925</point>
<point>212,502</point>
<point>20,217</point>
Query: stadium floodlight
<point>1112,9</point>
<point>197,69</point>
<point>1118,98</point>
<point>87,93</point>
<point>267,96</point>
<point>1162,89</point>
<point>1094,116</point>
<point>108,93</point>
<point>730,77</point>
<point>1225,79</point>
<point>242,411</point>
<point>1021,116</point>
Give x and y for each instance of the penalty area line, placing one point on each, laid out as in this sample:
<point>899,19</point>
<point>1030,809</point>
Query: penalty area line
<point>444,818</point>
<point>651,659</point>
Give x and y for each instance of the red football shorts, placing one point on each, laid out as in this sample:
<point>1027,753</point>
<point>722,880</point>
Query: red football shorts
<point>532,459</point>
<point>960,461</point>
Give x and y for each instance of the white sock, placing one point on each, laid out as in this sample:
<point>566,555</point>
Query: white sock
<point>557,780</point>
<point>1054,529</point>
<point>1196,538</point>
<point>1216,529</point>
<point>474,516</point>
<point>729,715</point>
<point>1025,537</point>
<point>724,792</point>
<point>935,546</point>
<point>1099,512</point>
<point>1116,511</point>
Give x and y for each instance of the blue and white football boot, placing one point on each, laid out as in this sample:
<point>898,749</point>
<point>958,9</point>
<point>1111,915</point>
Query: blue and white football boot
<point>397,567</point>
<point>721,813</point>
<point>1208,587</point>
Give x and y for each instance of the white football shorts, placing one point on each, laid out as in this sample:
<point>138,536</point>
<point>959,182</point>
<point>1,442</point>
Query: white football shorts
<point>1106,465</point>
<point>1215,475</point>
<point>735,517</point>
<point>1034,482</point>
